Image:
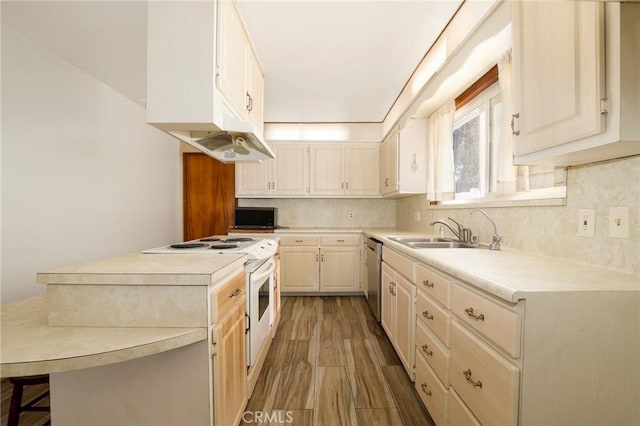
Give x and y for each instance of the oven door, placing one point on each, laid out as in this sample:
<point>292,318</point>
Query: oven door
<point>260,301</point>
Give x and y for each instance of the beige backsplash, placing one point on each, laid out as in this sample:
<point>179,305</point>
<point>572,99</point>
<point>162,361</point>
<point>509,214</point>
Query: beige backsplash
<point>552,231</point>
<point>329,212</point>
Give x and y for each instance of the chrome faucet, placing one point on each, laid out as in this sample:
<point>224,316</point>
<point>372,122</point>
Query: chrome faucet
<point>497,239</point>
<point>463,234</point>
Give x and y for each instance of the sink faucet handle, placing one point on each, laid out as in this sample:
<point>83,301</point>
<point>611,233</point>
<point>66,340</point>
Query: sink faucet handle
<point>497,239</point>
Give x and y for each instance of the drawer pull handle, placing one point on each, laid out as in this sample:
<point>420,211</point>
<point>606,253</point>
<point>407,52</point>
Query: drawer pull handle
<point>425,389</point>
<point>340,241</point>
<point>235,293</point>
<point>427,315</point>
<point>426,350</point>
<point>427,283</point>
<point>470,314</point>
<point>299,241</point>
<point>467,375</point>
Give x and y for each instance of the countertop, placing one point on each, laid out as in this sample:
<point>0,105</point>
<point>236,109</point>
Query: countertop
<point>512,274</point>
<point>148,269</point>
<point>508,274</point>
<point>30,346</point>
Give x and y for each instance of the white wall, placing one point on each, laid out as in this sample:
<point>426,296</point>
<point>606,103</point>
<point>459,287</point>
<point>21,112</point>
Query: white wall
<point>552,231</point>
<point>83,175</point>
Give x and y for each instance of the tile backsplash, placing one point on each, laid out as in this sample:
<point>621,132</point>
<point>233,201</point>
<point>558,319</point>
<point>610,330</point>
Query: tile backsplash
<point>553,230</point>
<point>329,212</point>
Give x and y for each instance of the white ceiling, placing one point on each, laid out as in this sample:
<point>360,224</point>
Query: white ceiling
<point>325,61</point>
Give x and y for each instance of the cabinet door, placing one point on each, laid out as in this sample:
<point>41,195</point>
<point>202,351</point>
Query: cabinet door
<point>326,170</point>
<point>387,301</point>
<point>340,268</point>
<point>558,72</point>
<point>299,271</point>
<point>405,323</point>
<point>255,90</point>
<point>254,178</point>
<point>362,168</point>
<point>230,367</point>
<point>389,169</point>
<point>291,174</point>
<point>232,46</point>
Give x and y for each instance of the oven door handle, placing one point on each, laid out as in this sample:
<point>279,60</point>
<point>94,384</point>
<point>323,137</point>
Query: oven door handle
<point>271,267</point>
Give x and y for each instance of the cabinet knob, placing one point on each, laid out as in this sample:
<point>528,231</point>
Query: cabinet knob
<point>427,283</point>
<point>471,314</point>
<point>467,375</point>
<point>427,315</point>
<point>513,124</point>
<point>425,389</point>
<point>426,350</point>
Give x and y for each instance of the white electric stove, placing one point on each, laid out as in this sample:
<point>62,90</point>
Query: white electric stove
<point>255,249</point>
<point>259,269</point>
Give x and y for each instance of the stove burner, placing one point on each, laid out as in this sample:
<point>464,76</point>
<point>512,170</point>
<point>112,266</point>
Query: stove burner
<point>238,240</point>
<point>210,239</point>
<point>187,245</point>
<point>223,246</point>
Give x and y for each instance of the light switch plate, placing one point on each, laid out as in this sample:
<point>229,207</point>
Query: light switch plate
<point>586,223</point>
<point>416,215</point>
<point>619,222</point>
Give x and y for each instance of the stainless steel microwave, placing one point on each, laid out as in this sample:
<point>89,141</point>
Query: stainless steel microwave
<point>256,218</point>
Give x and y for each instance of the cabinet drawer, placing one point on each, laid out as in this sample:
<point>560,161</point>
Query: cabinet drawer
<point>401,264</point>
<point>433,283</point>
<point>226,295</point>
<point>340,240</point>
<point>457,413</point>
<point>497,322</point>
<point>432,393</point>
<point>300,240</point>
<point>437,320</point>
<point>436,355</point>
<point>483,378</point>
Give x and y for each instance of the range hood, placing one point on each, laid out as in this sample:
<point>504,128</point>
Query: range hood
<point>235,142</point>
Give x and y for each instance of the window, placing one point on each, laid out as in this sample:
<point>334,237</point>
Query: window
<point>473,133</point>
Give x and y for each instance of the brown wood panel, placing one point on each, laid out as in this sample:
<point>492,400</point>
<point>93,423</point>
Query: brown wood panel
<point>208,196</point>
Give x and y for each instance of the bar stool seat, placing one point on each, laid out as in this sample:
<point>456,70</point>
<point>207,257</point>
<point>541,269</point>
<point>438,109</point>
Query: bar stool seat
<point>16,407</point>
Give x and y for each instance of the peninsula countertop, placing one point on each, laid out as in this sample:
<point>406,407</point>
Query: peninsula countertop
<point>31,346</point>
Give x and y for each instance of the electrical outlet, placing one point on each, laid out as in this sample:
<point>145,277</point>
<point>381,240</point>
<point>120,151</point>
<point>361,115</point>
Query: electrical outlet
<point>350,215</point>
<point>619,222</point>
<point>586,223</point>
<point>416,215</point>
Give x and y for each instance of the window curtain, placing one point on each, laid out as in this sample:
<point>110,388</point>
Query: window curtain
<point>510,178</point>
<point>440,169</point>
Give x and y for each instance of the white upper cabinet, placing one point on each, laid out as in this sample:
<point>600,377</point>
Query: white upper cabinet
<point>403,161</point>
<point>576,89</point>
<point>344,169</point>
<point>286,175</point>
<point>201,67</point>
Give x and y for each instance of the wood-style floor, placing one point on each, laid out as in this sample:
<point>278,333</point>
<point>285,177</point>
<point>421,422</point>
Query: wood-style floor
<point>331,364</point>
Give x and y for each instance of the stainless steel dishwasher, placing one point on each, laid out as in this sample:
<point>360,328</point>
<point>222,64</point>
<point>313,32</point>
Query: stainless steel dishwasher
<point>374,260</point>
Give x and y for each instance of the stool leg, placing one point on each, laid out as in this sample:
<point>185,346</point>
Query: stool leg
<point>14,409</point>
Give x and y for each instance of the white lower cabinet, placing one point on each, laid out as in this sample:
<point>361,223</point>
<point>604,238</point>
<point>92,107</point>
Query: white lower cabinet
<point>432,393</point>
<point>457,413</point>
<point>320,263</point>
<point>398,295</point>
<point>487,382</point>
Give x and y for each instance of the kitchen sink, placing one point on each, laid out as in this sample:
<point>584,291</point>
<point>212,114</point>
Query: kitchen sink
<point>439,244</point>
<point>414,240</point>
<point>430,242</point>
